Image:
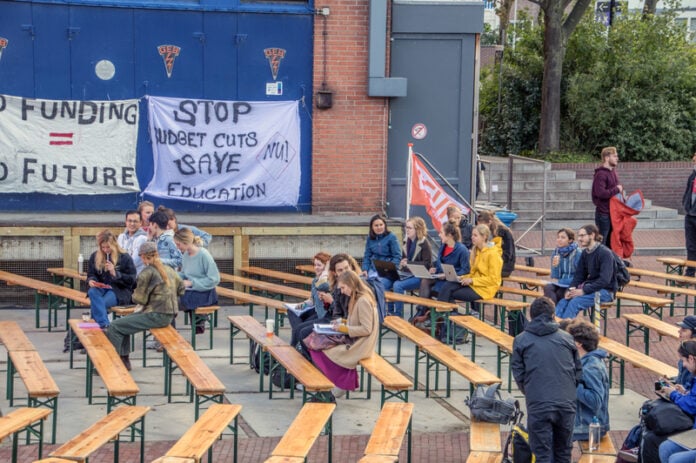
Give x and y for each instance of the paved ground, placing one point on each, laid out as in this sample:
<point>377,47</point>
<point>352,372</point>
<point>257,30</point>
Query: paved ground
<point>440,424</point>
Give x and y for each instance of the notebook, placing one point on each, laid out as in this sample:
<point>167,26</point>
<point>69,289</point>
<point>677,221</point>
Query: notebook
<point>387,269</point>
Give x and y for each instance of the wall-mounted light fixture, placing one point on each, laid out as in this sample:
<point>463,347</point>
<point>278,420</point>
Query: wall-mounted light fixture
<point>324,97</point>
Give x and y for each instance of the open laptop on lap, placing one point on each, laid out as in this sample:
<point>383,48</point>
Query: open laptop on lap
<point>450,273</point>
<point>387,269</point>
<point>420,271</point>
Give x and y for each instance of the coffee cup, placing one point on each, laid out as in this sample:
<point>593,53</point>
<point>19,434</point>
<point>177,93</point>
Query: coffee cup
<point>86,316</point>
<point>270,326</point>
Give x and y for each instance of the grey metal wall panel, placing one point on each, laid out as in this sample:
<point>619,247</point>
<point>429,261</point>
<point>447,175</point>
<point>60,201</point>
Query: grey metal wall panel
<point>436,17</point>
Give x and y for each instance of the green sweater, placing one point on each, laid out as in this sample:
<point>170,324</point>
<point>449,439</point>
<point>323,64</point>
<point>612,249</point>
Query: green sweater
<point>201,270</point>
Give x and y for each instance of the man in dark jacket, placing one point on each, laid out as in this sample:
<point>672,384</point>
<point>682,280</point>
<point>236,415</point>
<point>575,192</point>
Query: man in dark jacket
<point>605,184</point>
<point>547,369</point>
<point>594,273</point>
<point>689,204</point>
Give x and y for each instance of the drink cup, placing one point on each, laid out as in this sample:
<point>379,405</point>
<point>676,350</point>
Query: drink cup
<point>270,325</point>
<point>86,316</point>
<point>556,260</point>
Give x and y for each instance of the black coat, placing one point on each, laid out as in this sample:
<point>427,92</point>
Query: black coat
<point>123,283</point>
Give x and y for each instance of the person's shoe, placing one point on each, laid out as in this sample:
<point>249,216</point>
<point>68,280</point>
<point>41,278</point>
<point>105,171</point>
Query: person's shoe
<point>629,455</point>
<point>200,329</point>
<point>83,351</point>
<point>126,362</point>
<point>151,344</point>
<point>337,392</point>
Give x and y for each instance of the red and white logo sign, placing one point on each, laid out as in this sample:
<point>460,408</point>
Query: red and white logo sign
<point>419,131</point>
<point>56,138</point>
<point>3,45</point>
<point>169,54</point>
<point>274,57</point>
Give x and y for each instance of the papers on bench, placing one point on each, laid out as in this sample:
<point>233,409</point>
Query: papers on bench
<point>88,326</point>
<point>299,308</point>
<point>325,328</point>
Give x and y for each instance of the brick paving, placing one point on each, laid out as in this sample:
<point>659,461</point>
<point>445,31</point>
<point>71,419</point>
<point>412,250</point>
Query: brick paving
<point>441,447</point>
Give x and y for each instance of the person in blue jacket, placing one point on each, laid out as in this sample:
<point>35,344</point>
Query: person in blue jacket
<point>687,332</point>
<point>593,387</point>
<point>670,451</point>
<point>564,261</point>
<point>381,244</point>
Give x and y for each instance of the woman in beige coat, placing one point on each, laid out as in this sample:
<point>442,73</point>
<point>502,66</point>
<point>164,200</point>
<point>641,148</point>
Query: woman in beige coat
<point>362,326</point>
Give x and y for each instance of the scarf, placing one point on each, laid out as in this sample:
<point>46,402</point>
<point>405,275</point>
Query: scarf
<point>566,250</point>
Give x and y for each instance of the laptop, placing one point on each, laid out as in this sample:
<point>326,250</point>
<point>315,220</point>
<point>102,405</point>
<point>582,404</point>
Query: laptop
<point>450,273</point>
<point>421,271</point>
<point>387,269</point>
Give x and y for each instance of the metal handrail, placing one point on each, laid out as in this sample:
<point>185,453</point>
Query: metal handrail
<point>542,218</point>
<point>446,182</point>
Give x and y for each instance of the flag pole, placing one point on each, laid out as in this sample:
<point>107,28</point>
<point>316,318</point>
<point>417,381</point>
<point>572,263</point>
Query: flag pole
<point>409,174</point>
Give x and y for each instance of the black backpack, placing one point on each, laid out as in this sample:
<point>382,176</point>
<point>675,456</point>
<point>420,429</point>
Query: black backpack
<point>517,449</point>
<point>255,350</point>
<point>487,404</point>
<point>620,271</point>
<point>76,344</point>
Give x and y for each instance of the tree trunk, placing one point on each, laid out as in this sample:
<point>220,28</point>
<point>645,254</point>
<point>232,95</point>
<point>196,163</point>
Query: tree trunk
<point>503,11</point>
<point>649,7</point>
<point>554,51</point>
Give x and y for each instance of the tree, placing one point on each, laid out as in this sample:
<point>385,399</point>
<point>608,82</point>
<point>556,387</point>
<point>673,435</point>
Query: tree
<point>557,30</point>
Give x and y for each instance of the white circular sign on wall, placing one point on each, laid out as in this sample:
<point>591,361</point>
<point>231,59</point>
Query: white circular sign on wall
<point>419,131</point>
<point>105,69</point>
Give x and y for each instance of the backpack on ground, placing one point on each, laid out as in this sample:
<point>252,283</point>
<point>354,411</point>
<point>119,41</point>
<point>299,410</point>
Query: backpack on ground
<point>76,344</point>
<point>255,361</point>
<point>517,449</point>
<point>620,271</point>
<point>487,404</point>
<point>517,322</point>
<point>378,291</point>
<point>457,334</point>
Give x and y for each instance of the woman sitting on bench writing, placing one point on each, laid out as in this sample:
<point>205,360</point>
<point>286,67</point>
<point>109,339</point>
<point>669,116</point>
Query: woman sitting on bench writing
<point>339,362</point>
<point>158,290</point>
<point>317,313</point>
<point>111,277</point>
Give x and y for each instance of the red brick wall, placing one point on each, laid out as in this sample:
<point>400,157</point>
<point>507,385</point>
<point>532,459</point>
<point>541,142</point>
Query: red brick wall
<point>349,141</point>
<point>661,182</point>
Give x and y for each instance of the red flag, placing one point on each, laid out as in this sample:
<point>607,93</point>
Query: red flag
<point>425,191</point>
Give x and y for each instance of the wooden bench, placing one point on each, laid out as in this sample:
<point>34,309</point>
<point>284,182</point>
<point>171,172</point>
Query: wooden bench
<point>20,420</point>
<point>502,340</point>
<point>393,383</point>
<point>107,429</point>
<point>526,282</point>
<point>315,383</point>
<point>621,354</point>
<point>606,447</point>
<point>207,315</point>
<point>24,359</point>
<point>542,272</point>
<point>676,264</point>
<point>651,305</point>
<point>525,293</point>
<point>645,323</point>
<point>200,437</point>
<point>437,353</point>
<point>304,431</point>
<point>42,288</point>
<point>484,457</point>
<point>101,354</point>
<point>393,422</point>
<point>670,278</point>
<point>671,291</point>
<point>484,441</point>
<point>253,299</point>
<point>268,273</point>
<point>178,353</point>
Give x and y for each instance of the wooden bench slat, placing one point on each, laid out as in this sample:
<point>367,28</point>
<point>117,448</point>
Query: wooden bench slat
<point>36,377</point>
<point>659,326</point>
<point>204,432</point>
<point>636,358</point>
<point>284,276</point>
<point>662,289</point>
<point>107,428</point>
<point>13,338</point>
<point>406,330</point>
<point>385,372</point>
<point>284,460</point>
<point>643,299</point>
<point>538,270</point>
<point>481,328</point>
<point>255,330</point>
<point>21,418</point>
<point>251,298</point>
<point>304,371</point>
<point>484,457</point>
<point>272,287</point>
<point>390,428</point>
<point>379,459</point>
<point>304,430</point>
<point>173,460</point>
<point>67,272</point>
<point>606,446</point>
<point>592,458</point>
<point>662,275</point>
<point>484,437</point>
<point>170,337</point>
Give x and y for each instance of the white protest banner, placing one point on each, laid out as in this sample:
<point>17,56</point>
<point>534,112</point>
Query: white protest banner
<point>225,152</point>
<point>68,147</point>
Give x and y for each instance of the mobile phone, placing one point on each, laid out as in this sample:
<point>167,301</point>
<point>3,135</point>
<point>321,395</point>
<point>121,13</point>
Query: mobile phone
<point>658,385</point>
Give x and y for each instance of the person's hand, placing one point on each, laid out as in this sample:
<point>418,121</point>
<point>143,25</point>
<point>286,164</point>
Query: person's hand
<point>466,281</point>
<point>432,270</point>
<point>403,262</point>
<point>681,389</point>
<point>326,298</point>
<point>620,187</point>
<point>109,267</point>
<point>573,292</point>
<point>90,283</point>
<point>364,273</point>
<point>668,389</point>
<point>556,260</point>
<point>188,283</point>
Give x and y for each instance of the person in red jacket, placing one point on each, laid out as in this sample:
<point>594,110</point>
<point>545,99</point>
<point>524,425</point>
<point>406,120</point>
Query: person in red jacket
<point>605,184</point>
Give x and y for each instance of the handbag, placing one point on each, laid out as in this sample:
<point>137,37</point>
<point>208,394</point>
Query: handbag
<point>317,341</point>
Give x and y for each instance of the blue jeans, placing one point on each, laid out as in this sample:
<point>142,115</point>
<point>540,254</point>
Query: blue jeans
<point>671,452</point>
<point>386,282</point>
<point>569,308</point>
<point>100,300</point>
<point>400,287</point>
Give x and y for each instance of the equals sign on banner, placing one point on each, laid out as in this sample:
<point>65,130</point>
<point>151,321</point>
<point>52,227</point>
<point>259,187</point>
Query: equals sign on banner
<point>56,138</point>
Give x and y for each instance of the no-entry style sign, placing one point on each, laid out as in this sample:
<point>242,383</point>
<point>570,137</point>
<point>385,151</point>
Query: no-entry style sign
<point>419,131</point>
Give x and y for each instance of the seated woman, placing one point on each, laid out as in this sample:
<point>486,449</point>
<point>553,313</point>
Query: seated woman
<point>110,277</point>
<point>452,252</point>
<point>158,290</point>
<point>199,272</point>
<point>145,209</point>
<point>339,363</point>
<point>416,251</point>
<point>670,451</point>
<point>564,260</point>
<point>318,313</point>
<point>381,244</point>
<point>174,226</point>
<point>593,388</point>
<point>455,216</point>
<point>484,279</point>
<point>502,237</point>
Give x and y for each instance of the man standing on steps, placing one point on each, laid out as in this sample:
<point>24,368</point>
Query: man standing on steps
<point>689,204</point>
<point>605,184</point>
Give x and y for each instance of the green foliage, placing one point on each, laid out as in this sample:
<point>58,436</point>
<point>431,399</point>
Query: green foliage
<point>631,87</point>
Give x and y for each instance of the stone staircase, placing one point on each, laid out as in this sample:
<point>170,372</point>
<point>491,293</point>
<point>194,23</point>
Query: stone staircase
<point>568,199</point>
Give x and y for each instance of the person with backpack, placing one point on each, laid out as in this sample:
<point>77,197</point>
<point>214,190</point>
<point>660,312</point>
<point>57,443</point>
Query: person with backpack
<point>547,370</point>
<point>595,273</point>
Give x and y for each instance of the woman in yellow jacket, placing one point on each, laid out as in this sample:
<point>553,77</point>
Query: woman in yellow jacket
<point>486,265</point>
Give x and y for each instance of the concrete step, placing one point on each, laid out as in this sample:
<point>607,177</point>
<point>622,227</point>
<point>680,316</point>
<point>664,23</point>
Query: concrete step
<point>551,223</point>
<point>551,175</point>
<point>538,185</point>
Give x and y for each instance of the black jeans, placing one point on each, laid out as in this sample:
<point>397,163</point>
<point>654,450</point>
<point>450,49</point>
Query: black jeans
<point>690,239</point>
<point>603,222</point>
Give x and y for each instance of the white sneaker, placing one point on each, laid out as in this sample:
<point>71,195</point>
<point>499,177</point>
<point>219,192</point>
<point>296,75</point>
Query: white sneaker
<point>299,386</point>
<point>151,344</point>
<point>338,392</point>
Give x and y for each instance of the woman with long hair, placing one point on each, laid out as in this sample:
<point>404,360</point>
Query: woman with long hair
<point>381,244</point>
<point>110,277</point>
<point>145,209</point>
<point>157,293</point>
<point>416,250</point>
<point>564,260</point>
<point>502,237</point>
<point>317,313</point>
<point>199,272</point>
<point>339,363</point>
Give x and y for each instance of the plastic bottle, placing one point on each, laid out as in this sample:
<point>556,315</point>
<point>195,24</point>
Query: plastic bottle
<point>597,312</point>
<point>595,435</point>
<point>80,263</point>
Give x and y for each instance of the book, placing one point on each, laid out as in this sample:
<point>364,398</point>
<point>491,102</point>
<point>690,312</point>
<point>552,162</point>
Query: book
<point>298,308</point>
<point>98,284</point>
<point>325,328</point>
<point>88,326</point>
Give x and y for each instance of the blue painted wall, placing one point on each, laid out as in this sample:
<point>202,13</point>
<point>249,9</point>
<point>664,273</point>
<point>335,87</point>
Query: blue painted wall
<point>54,46</point>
